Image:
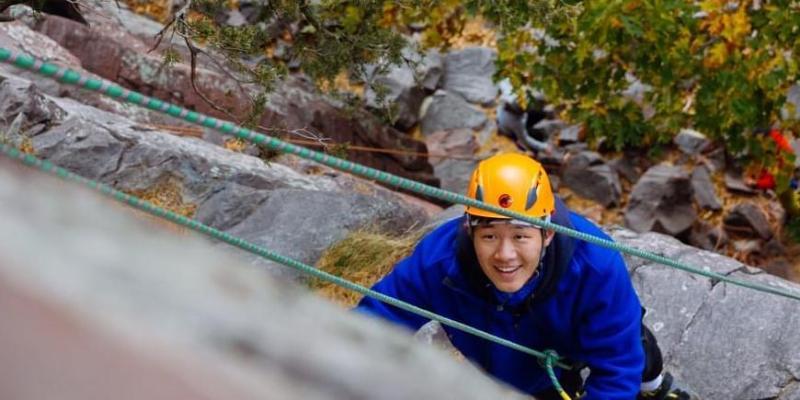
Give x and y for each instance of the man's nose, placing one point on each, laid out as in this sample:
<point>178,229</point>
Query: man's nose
<point>505,251</point>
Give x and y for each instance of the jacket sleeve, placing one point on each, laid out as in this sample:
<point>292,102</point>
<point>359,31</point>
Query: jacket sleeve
<point>406,282</point>
<point>610,333</point>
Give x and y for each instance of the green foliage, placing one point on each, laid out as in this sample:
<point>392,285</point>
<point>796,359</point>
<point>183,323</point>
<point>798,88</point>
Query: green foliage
<point>718,66</point>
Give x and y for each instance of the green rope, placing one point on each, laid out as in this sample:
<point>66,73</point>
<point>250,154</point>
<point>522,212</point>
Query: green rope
<point>194,225</point>
<point>550,357</point>
<point>66,75</point>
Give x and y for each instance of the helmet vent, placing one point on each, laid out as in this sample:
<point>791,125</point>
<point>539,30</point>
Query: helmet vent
<point>531,198</point>
<point>479,193</point>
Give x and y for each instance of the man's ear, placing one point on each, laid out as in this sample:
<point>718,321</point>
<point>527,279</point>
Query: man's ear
<point>548,237</point>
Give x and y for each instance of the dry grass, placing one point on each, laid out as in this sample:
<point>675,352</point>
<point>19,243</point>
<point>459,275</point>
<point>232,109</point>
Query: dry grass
<point>363,257</point>
<point>167,194</point>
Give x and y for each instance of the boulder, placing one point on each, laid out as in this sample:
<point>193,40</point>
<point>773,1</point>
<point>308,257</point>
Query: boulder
<point>449,111</point>
<point>748,219</point>
<point>569,134</point>
<point>97,305</point>
<point>626,167</point>
<point>265,203</point>
<point>589,176</point>
<point>691,142</point>
<point>713,333</point>
<point>707,236</point>
<point>469,74</point>
<point>703,189</point>
<point>661,201</point>
<point>453,142</point>
<point>397,90</point>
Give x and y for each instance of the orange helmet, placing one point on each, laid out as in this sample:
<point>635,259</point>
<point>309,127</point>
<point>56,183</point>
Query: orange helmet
<point>512,181</point>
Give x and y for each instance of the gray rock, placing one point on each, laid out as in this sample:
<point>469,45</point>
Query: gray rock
<point>430,70</point>
<point>551,126</point>
<point>796,148</point>
<point>454,174</point>
<point>791,109</point>
<point>626,168</point>
<point>707,236</point>
<point>703,189</point>
<point>449,111</point>
<point>569,134</point>
<point>469,73</point>
<point>661,201</point>
<point>398,91</point>
<point>691,141</point>
<point>301,224</point>
<point>733,328</point>
<point>265,203</point>
<point>716,159</point>
<point>748,219</point>
<point>83,279</point>
<point>454,142</point>
<point>588,175</point>
<point>734,182</point>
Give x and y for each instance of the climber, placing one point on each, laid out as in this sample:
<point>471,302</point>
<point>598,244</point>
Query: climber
<point>535,287</point>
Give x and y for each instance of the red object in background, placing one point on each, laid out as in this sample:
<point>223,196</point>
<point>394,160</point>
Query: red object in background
<point>780,140</point>
<point>765,181</point>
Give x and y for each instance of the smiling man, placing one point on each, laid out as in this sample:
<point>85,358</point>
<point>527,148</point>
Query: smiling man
<point>537,288</point>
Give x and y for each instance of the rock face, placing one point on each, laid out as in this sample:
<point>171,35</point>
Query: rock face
<point>748,218</point>
<point>136,311</point>
<point>714,334</point>
<point>294,105</point>
<point>661,202</point>
<point>264,203</point>
<point>703,189</point>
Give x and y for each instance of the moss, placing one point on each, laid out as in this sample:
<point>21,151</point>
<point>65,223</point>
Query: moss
<point>362,257</point>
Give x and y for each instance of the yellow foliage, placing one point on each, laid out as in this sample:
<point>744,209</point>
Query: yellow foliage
<point>732,27</point>
<point>716,56</point>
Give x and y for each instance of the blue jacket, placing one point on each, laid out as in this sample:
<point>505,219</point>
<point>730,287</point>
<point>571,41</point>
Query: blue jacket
<point>581,304</point>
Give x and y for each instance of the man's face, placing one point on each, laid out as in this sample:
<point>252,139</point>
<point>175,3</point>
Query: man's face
<point>508,254</point>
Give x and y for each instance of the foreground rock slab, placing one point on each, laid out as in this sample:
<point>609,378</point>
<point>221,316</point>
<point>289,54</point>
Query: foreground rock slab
<point>97,304</point>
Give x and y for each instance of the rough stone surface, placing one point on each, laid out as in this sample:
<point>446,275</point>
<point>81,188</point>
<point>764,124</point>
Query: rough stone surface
<point>691,142</point>
<point>707,236</point>
<point>454,142</point>
<point>626,168</point>
<point>588,175</point>
<point>713,334</point>
<point>180,321</point>
<point>661,201</point>
<point>449,111</point>
<point>401,93</point>
<point>292,106</point>
<point>232,190</point>
<point>469,72</point>
<point>734,182</point>
<point>703,189</point>
<point>569,134</point>
<point>748,218</point>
